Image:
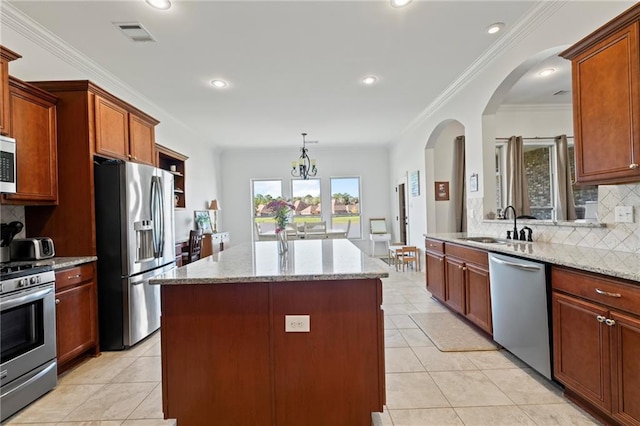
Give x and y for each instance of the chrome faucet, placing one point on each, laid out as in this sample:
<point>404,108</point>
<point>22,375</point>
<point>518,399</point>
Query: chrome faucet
<point>515,228</point>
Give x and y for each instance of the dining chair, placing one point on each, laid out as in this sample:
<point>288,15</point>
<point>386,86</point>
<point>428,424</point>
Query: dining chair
<point>406,255</point>
<point>194,248</point>
<point>315,230</point>
<point>346,232</point>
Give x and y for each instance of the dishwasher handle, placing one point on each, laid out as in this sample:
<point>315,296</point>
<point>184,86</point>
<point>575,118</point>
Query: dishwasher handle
<point>530,268</point>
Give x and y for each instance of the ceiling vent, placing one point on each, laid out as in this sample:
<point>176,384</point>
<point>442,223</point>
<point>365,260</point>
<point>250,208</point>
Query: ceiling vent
<point>135,32</point>
<point>562,92</point>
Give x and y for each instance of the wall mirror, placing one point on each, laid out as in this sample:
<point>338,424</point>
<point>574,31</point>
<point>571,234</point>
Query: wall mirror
<point>378,226</point>
<point>537,107</point>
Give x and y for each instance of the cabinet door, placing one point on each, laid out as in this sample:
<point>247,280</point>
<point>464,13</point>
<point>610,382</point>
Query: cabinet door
<point>5,116</point>
<point>455,287</point>
<point>581,348</point>
<point>435,275</point>
<point>75,321</point>
<point>33,123</point>
<point>478,296</point>
<point>626,368</point>
<point>141,140</point>
<point>607,109</point>
<point>112,129</point>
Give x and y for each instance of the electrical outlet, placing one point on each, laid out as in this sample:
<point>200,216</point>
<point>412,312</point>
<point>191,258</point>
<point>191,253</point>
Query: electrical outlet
<point>623,214</point>
<point>297,324</point>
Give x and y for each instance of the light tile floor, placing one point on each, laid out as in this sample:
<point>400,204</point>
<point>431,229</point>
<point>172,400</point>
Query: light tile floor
<point>424,386</point>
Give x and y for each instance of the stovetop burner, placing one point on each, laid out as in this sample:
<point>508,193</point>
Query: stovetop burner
<point>9,271</point>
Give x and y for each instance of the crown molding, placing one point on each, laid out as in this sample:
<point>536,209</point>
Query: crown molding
<point>536,15</point>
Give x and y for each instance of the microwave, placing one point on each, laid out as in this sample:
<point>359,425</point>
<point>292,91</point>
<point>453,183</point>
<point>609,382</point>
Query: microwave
<point>7,164</point>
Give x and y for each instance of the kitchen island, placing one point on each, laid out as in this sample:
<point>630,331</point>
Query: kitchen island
<point>251,337</point>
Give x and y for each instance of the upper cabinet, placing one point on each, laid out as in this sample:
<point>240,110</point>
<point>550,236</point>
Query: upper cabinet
<point>606,101</point>
<point>174,162</point>
<point>33,125</point>
<point>6,56</point>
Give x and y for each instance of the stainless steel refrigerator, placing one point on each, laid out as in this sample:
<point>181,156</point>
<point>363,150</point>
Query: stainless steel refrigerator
<point>135,242</point>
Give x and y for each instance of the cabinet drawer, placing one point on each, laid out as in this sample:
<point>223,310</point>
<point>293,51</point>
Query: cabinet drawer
<point>73,276</point>
<point>434,245</point>
<point>472,255</point>
<point>604,290</point>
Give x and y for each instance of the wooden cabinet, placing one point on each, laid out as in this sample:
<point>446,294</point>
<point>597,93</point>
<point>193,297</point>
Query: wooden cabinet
<point>596,334</point>
<point>225,350</point>
<point>76,314</point>
<point>91,124</point>
<point>174,162</point>
<point>467,284</point>
<point>435,274</point>
<point>6,56</point>
<point>122,134</point>
<point>33,125</point>
<point>606,101</point>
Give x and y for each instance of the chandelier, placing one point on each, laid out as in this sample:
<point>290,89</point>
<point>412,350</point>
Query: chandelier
<point>304,167</point>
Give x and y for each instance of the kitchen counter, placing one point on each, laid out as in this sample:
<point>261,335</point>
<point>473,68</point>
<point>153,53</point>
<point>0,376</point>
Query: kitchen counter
<point>618,264</point>
<point>56,262</point>
<point>306,260</point>
<point>287,340</point>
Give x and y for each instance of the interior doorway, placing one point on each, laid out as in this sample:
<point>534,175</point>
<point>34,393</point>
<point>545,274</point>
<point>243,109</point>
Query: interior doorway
<point>402,214</point>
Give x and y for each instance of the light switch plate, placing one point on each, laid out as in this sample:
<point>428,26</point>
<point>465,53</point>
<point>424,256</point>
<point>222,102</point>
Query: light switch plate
<point>623,214</point>
<point>297,324</point>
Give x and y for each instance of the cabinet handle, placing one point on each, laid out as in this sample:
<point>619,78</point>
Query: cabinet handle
<point>634,166</point>
<point>441,260</point>
<point>129,155</point>
<point>610,322</point>
<point>71,277</point>
<point>606,293</point>
<point>600,318</point>
<point>57,301</point>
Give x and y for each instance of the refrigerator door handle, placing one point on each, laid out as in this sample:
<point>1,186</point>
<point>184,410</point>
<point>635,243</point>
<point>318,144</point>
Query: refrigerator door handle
<point>162,211</point>
<point>155,216</point>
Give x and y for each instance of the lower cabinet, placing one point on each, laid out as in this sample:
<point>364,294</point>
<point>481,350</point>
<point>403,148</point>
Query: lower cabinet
<point>76,314</point>
<point>467,284</point>
<point>596,334</point>
<point>435,273</point>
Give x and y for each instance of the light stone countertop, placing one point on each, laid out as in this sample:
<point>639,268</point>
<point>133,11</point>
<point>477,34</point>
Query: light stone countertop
<point>613,263</point>
<point>57,262</point>
<point>306,260</point>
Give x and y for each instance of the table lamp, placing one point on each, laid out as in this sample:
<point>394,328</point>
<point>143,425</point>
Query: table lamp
<point>215,207</point>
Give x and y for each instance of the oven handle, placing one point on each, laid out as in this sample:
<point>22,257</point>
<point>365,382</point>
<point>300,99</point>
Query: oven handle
<point>27,298</point>
<point>31,380</point>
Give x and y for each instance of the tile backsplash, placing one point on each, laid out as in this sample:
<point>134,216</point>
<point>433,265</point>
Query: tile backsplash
<point>11,213</point>
<point>605,235</point>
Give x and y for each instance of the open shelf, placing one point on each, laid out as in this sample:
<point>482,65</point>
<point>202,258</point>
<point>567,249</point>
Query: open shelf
<point>165,159</point>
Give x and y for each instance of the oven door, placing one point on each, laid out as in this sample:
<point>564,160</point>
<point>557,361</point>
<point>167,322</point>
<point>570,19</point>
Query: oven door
<point>28,331</point>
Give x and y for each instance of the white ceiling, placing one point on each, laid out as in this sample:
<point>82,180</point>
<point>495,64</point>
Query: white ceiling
<point>293,66</point>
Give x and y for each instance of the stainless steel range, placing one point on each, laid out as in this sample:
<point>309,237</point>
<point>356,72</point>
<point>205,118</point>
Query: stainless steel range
<point>28,367</point>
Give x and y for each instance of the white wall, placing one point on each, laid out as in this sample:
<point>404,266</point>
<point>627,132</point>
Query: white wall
<point>534,120</point>
<point>444,170</point>
<point>202,167</point>
<point>239,166</point>
<point>561,24</point>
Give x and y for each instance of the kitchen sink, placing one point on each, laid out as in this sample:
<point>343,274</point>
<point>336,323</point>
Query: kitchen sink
<point>487,240</point>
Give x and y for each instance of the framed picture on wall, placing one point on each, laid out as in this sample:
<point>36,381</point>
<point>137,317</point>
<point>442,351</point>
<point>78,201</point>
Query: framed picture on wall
<point>442,191</point>
<point>203,221</point>
<point>414,183</point>
<point>473,183</point>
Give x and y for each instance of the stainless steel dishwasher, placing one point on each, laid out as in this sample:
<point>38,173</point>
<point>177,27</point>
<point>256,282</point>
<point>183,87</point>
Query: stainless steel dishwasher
<point>519,309</point>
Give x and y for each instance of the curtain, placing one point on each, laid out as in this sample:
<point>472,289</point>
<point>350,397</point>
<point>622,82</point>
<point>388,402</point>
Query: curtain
<point>565,205</point>
<point>517,188</point>
<point>460,193</point>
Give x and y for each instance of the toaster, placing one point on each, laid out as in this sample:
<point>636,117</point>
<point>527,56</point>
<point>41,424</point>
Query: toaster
<point>32,248</point>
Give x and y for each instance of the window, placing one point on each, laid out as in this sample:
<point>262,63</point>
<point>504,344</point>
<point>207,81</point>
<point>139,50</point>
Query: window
<point>345,205</point>
<point>264,191</point>
<point>305,196</point>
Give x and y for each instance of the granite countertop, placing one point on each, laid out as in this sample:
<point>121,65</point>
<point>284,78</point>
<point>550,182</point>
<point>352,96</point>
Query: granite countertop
<point>618,264</point>
<point>55,262</point>
<point>306,260</point>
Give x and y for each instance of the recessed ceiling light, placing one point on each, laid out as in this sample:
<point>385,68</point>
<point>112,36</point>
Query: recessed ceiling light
<point>400,3</point>
<point>159,4</point>
<point>546,72</point>
<point>369,80</point>
<point>220,84</point>
<point>495,28</point>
